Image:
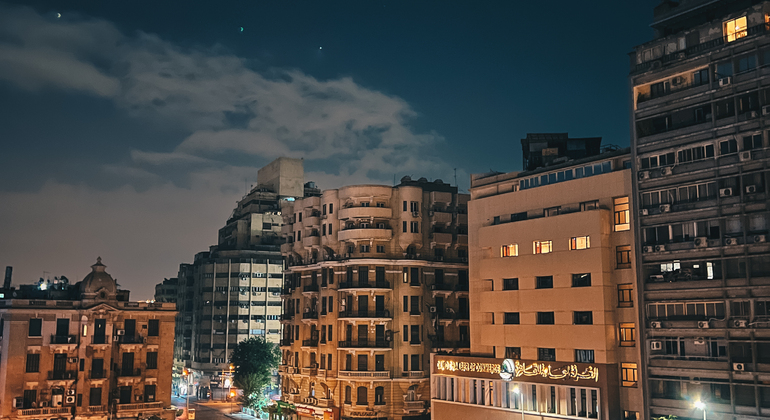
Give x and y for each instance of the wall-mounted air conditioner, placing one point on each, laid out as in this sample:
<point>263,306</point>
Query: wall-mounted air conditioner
<point>751,189</point>
<point>744,156</point>
<point>644,175</point>
<point>731,241</point>
<point>665,208</point>
<point>701,242</point>
<point>644,212</point>
<point>656,345</point>
<point>726,192</point>
<point>120,332</point>
<point>739,367</point>
<point>656,325</point>
<point>703,324</point>
<point>725,81</point>
<point>758,239</point>
<point>660,248</point>
<point>666,171</point>
<point>740,323</point>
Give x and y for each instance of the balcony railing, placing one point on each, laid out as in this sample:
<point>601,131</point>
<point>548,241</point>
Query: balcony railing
<point>364,285</point>
<point>287,317</point>
<point>441,287</point>
<point>310,315</point>
<point>379,374</point>
<point>310,288</point>
<point>312,370</point>
<point>382,344</point>
<point>54,375</point>
<point>97,374</point>
<point>100,339</point>
<point>414,405</point>
<point>384,313</point>
<point>96,408</point>
<point>43,411</point>
<point>130,339</point>
<point>310,343</point>
<point>286,342</point>
<point>64,339</point>
<point>129,372</point>
<point>141,406</point>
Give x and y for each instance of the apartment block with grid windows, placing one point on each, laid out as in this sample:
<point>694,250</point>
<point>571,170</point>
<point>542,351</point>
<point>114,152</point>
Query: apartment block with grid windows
<point>701,121</point>
<point>552,294</point>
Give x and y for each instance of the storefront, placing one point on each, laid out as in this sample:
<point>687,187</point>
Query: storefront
<point>305,411</point>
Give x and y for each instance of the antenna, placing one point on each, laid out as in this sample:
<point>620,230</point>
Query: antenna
<point>455,177</point>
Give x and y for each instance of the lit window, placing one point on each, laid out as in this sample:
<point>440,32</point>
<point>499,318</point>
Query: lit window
<point>628,374</point>
<point>627,335</point>
<point>580,242</point>
<point>623,256</point>
<point>735,29</point>
<point>625,298</point>
<point>621,214</point>
<point>542,247</point>
<point>511,250</point>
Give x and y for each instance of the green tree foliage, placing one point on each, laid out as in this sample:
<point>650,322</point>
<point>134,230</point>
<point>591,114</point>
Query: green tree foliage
<point>253,361</point>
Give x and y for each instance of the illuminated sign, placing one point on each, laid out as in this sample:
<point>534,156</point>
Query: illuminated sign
<point>515,369</point>
<point>454,366</point>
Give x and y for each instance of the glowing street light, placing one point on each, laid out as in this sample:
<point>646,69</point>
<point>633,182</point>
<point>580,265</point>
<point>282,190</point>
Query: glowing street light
<point>518,392</point>
<point>701,406</point>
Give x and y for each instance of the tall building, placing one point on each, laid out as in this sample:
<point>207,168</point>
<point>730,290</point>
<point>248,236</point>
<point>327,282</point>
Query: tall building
<point>166,291</point>
<point>552,295</point>
<point>84,351</point>
<point>701,97</point>
<point>233,291</point>
<point>376,280</point>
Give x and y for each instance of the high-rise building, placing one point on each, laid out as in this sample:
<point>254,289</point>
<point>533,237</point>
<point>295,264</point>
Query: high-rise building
<point>376,280</point>
<point>233,291</point>
<point>701,100</point>
<point>84,351</point>
<point>552,294</point>
<point>166,291</point>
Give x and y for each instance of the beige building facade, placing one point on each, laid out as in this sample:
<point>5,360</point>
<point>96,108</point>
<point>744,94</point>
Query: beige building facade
<point>552,295</point>
<point>376,280</point>
<point>84,351</point>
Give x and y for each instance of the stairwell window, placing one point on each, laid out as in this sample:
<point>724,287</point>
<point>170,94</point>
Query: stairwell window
<point>542,247</point>
<point>510,250</point>
<point>579,242</point>
<point>628,374</point>
<point>622,213</point>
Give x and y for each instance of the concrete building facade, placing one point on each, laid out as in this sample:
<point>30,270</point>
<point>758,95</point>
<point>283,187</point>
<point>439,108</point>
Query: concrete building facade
<point>552,297</point>
<point>376,280</point>
<point>84,351</point>
<point>701,100</point>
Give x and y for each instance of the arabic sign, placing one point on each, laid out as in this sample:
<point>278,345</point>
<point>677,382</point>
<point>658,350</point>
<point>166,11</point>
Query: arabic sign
<point>455,366</point>
<point>514,369</point>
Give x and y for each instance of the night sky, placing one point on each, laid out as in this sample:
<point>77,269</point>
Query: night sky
<point>130,128</point>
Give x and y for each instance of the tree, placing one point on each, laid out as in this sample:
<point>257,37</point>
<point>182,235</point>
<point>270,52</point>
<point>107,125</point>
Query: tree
<point>253,361</point>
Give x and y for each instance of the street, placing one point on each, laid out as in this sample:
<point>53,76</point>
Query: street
<point>208,410</point>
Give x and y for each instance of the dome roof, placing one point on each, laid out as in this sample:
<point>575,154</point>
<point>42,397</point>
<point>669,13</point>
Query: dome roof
<point>98,279</point>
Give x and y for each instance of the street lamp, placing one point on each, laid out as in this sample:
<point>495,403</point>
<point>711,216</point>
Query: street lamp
<point>186,374</point>
<point>701,406</point>
<point>518,392</point>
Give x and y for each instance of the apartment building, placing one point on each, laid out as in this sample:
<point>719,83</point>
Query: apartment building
<point>701,101</point>
<point>552,294</point>
<point>376,280</point>
<point>233,291</point>
<point>84,351</point>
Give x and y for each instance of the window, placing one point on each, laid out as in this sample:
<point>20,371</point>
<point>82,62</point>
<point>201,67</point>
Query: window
<point>623,256</point>
<point>323,210</point>
<point>95,397</point>
<point>510,250</point>
<point>589,205</point>
<point>584,356</point>
<point>542,247</point>
<point>511,318</point>
<point>323,230</point>
<point>510,284</point>
<point>365,204</point>
<point>583,317</point>
<point>735,29</point>
<point>551,211</point>
<point>33,362</point>
<point>153,327</point>
<point>625,297</point>
<point>544,282</point>
<point>728,147</point>
<point>665,159</point>
<point>380,249</point>
<point>30,398</point>
<point>700,77</point>
<point>630,415</point>
<point>627,335</point>
<point>361,396</point>
<point>546,355</point>
<point>696,153</point>
<point>403,225</point>
<point>330,226</point>
<point>515,217</point>
<point>348,390</point>
<point>414,206</point>
<point>364,248</point>
<point>379,396</point>
<point>152,360</point>
<point>35,327</point>
<point>752,142</point>
<point>149,393</point>
<point>513,353</point>
<point>579,242</point>
<point>496,220</point>
<point>545,318</point>
<point>581,280</point>
<point>622,221</point>
<point>414,227</point>
<point>628,374</point>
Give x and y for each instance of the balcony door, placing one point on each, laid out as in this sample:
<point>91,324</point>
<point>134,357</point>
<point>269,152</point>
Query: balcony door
<point>379,304</point>
<point>363,305</point>
<point>363,333</point>
<point>125,395</point>
<point>59,365</point>
<point>62,327</point>
<point>128,363</point>
<point>379,334</point>
<point>129,326</point>
<point>100,331</point>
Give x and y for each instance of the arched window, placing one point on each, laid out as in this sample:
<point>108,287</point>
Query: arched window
<point>411,393</point>
<point>379,396</point>
<point>347,395</point>
<point>362,396</point>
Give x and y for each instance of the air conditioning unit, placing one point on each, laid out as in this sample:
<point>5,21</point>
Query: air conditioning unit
<point>657,278</point>
<point>758,239</point>
<point>753,114</point>
<point>18,402</point>
<point>656,325</point>
<point>726,192</point>
<point>70,392</point>
<point>731,241</point>
<point>751,189</point>
<point>666,171</point>
<point>72,359</point>
<point>744,156</point>
<point>644,175</point>
<point>69,399</point>
<point>703,324</point>
<point>701,242</point>
<point>739,367</point>
<point>660,248</point>
<point>665,208</point>
<point>740,323</point>
<point>766,110</point>
<point>678,80</point>
<point>432,309</point>
<point>644,212</point>
<point>699,342</point>
<point>430,213</point>
<point>44,403</point>
<point>646,249</point>
<point>415,214</point>
<point>724,81</point>
<point>656,345</point>
<point>120,332</point>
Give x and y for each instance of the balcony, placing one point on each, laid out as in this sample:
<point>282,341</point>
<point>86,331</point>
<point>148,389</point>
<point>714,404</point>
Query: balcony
<point>287,317</point>
<point>312,370</point>
<point>285,342</point>
<point>140,406</point>
<point>97,374</point>
<point>130,339</point>
<point>96,408</point>
<point>373,344</point>
<point>364,285</point>
<point>63,339</point>
<point>441,237</point>
<point>310,343</point>
<point>365,213</point>
<point>365,374</point>
<point>382,314</point>
<point>441,289</point>
<point>310,315</point>
<point>310,288</point>
<point>129,372</point>
<point>410,406</point>
<point>442,218</point>
<point>100,339</point>
<point>43,411</point>
<point>364,234</point>
<point>312,240</point>
<point>313,220</point>
<point>62,375</point>
<point>416,374</point>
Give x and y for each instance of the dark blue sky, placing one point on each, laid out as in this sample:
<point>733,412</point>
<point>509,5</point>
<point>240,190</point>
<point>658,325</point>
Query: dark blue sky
<point>146,101</point>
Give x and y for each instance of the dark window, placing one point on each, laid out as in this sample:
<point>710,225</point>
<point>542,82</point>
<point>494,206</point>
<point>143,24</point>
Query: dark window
<point>752,142</point>
<point>545,318</point>
<point>361,396</point>
<point>584,356</point>
<point>728,146</point>
<point>30,398</point>
<point>581,280</point>
<point>515,217</point>
<point>348,390</point>
<point>152,360</point>
<point>544,282</point>
<point>153,327</point>
<point>510,284</point>
<point>95,397</point>
<point>548,355</point>
<point>35,327</point>
<point>33,362</point>
<point>416,362</point>
<point>379,396</point>
<point>511,318</point>
<point>583,318</point>
<point>513,352</point>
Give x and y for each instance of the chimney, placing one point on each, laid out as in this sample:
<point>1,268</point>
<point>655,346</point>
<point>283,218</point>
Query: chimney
<point>7,282</point>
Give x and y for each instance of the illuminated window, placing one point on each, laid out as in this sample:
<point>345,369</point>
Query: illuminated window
<point>735,29</point>
<point>623,256</point>
<point>622,214</point>
<point>542,247</point>
<point>579,242</point>
<point>511,250</point>
<point>625,297</point>
<point>628,374</point>
<point>627,335</point>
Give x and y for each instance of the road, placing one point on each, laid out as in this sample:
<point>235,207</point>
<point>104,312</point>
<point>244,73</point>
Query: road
<point>208,410</point>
